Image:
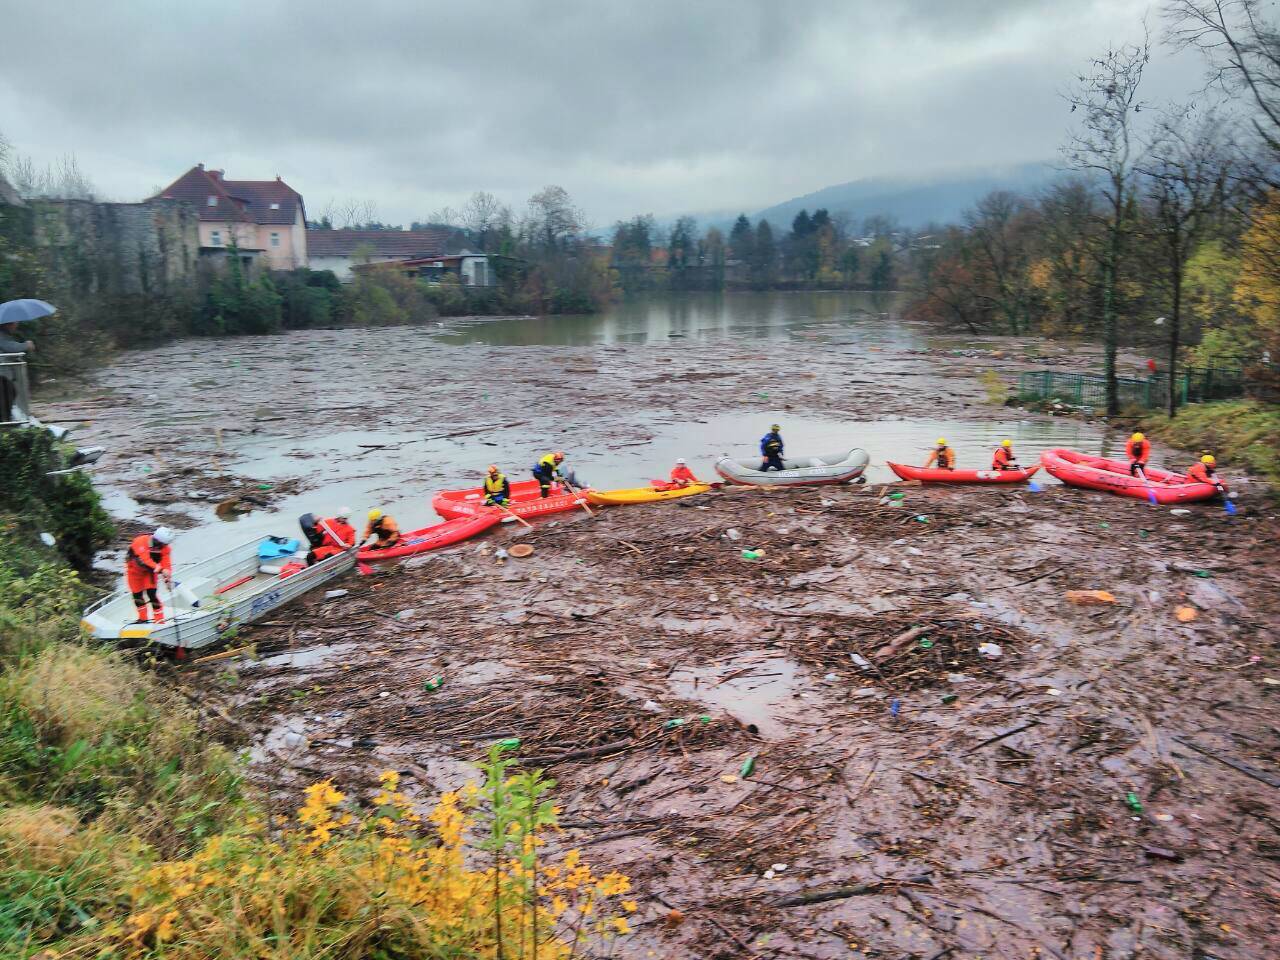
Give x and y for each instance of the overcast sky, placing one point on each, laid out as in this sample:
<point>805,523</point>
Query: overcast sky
<point>634,107</point>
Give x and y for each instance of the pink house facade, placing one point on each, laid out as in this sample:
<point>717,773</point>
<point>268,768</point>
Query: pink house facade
<point>262,218</point>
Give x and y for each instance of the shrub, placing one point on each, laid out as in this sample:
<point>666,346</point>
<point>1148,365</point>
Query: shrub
<point>338,883</point>
<point>65,506</point>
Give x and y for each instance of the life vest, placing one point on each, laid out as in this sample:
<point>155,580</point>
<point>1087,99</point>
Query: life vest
<point>548,465</point>
<point>1138,452</point>
<point>495,484</point>
<point>946,458</point>
<point>1002,459</point>
<point>385,528</point>
<point>771,444</point>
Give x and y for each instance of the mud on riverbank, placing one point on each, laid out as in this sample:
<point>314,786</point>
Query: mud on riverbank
<point>987,814</point>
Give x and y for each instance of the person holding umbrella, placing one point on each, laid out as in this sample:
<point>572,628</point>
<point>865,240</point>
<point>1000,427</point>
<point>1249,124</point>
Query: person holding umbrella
<point>13,313</point>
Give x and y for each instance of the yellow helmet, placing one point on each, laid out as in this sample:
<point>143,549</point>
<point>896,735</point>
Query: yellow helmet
<point>375,514</point>
<point>1006,443</point>
<point>942,441</point>
<point>1208,458</point>
<point>1137,438</point>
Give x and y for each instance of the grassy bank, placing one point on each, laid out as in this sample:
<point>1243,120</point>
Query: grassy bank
<point>125,831</point>
<point>1243,435</point>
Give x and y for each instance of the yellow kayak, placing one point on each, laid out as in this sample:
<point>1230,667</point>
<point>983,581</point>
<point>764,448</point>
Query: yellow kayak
<point>643,494</point>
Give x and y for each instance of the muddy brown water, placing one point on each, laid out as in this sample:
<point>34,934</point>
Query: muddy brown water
<point>386,417</point>
<point>984,816</point>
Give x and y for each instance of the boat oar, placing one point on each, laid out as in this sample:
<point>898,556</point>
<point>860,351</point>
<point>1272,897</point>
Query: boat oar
<point>578,500</point>
<point>514,516</point>
<point>1151,494</point>
<point>1227,503</point>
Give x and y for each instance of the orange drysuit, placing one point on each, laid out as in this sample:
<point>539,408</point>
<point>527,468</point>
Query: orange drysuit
<point>1003,459</point>
<point>682,475</point>
<point>1203,473</point>
<point>337,535</point>
<point>387,532</point>
<point>145,562</point>
<point>1139,452</point>
<point>944,457</point>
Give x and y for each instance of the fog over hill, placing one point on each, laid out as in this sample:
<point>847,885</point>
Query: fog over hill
<point>912,202</point>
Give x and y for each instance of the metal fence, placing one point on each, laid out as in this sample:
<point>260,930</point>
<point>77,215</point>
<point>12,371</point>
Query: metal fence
<point>1193,384</point>
<point>15,394</point>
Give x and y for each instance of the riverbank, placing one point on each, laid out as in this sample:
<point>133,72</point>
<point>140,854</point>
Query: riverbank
<point>1244,435</point>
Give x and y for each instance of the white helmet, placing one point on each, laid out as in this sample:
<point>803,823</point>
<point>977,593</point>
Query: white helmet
<point>344,512</point>
<point>163,535</point>
<point>679,459</point>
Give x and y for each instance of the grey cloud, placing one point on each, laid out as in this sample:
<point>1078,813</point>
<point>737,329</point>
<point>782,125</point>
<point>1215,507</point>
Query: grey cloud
<point>663,106</point>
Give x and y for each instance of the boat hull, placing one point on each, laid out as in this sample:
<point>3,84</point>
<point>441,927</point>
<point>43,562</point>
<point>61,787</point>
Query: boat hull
<point>526,501</point>
<point>643,494</point>
<point>1112,476</point>
<point>230,590</point>
<point>436,536</point>
<point>933,475</point>
<point>800,471</point>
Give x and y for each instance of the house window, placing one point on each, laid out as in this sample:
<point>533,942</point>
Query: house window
<point>215,238</point>
<point>212,202</point>
<point>275,239</point>
<point>275,206</point>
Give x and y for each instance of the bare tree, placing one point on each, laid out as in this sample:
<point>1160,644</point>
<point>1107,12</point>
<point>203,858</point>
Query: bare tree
<point>998,226</point>
<point>1188,176</point>
<point>484,215</point>
<point>553,218</point>
<point>1242,49</point>
<point>350,214</point>
<point>1106,146</point>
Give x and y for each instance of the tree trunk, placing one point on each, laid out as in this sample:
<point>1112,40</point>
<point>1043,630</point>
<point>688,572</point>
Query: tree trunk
<point>1109,336</point>
<point>1175,331</point>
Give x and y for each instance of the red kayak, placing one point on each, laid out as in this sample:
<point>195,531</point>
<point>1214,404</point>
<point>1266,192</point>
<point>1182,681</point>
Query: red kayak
<point>934,475</point>
<point>437,536</point>
<point>526,501</point>
<point>1098,473</point>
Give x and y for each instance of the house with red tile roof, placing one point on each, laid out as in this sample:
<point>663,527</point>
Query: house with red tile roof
<point>265,219</point>
<point>341,250</point>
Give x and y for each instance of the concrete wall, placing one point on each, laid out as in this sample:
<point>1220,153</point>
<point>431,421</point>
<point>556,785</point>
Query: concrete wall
<point>341,266</point>
<point>118,248</point>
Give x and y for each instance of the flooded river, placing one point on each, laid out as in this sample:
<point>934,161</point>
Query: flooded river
<point>387,416</point>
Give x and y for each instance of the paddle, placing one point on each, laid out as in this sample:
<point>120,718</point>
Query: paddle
<point>1151,494</point>
<point>514,516</point>
<point>1227,503</point>
<point>580,502</point>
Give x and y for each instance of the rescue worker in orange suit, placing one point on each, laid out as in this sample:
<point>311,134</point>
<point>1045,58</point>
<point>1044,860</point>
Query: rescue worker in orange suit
<point>1003,459</point>
<point>148,559</point>
<point>336,535</point>
<point>547,471</point>
<point>497,488</point>
<point>384,528</point>
<point>1138,450</point>
<point>681,475</point>
<point>1203,472</point>
<point>942,455</point>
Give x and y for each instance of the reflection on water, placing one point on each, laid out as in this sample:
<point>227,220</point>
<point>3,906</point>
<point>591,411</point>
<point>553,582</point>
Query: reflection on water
<point>700,315</point>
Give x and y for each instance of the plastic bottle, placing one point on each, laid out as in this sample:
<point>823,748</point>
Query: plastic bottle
<point>435,683</point>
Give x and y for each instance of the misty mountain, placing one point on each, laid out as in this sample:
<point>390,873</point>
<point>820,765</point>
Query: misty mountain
<point>912,202</point>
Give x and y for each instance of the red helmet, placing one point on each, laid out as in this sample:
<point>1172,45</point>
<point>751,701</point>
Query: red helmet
<point>559,455</point>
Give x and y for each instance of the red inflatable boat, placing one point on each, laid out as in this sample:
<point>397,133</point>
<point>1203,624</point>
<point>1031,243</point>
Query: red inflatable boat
<point>436,536</point>
<point>1098,473</point>
<point>525,501</point>
<point>934,475</point>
